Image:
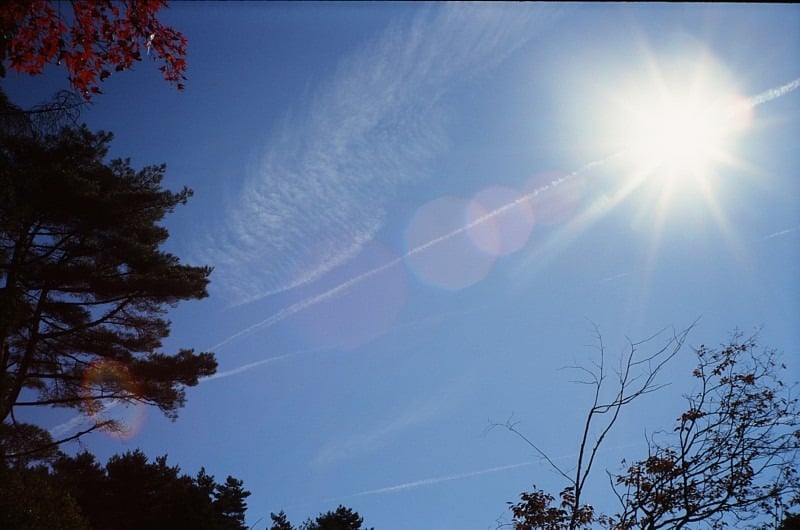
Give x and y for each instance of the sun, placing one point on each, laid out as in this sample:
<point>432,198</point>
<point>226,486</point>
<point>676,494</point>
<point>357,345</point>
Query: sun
<point>675,130</point>
<point>678,128</point>
<point>682,134</point>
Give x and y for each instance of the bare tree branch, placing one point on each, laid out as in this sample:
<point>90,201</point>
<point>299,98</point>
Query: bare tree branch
<point>636,377</point>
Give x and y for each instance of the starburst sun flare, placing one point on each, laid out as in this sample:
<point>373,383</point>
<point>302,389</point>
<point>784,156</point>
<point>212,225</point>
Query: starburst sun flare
<point>676,129</point>
<point>678,126</point>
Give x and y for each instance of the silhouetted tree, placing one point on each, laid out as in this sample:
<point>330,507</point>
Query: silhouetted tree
<point>342,518</point>
<point>280,521</point>
<point>131,492</point>
<point>229,503</point>
<point>30,442</point>
<point>29,500</point>
<point>732,456</point>
<point>95,40</point>
<point>85,480</point>
<point>84,285</point>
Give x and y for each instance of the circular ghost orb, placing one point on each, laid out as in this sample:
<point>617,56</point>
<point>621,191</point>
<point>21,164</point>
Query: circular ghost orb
<point>366,295</point>
<point>440,250</point>
<point>500,220</point>
<point>110,396</point>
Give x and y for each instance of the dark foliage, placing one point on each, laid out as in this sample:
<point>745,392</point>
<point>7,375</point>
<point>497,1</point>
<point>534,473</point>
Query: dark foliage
<point>128,493</point>
<point>280,521</point>
<point>84,286</point>
<point>30,500</point>
<point>342,518</point>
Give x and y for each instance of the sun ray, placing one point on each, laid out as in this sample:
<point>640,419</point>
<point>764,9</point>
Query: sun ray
<point>679,124</point>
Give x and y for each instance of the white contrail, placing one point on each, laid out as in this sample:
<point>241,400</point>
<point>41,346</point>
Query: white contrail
<point>614,277</point>
<point>288,311</point>
<point>781,233</point>
<point>758,99</point>
<point>308,302</point>
<point>250,366</point>
<point>342,287</point>
<point>79,420</point>
<point>437,480</point>
<point>70,425</point>
<point>468,474</point>
<point>773,93</point>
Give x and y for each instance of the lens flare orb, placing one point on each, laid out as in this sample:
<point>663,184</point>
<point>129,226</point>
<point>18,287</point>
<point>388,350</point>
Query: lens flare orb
<point>440,250</point>
<point>110,395</point>
<point>500,220</point>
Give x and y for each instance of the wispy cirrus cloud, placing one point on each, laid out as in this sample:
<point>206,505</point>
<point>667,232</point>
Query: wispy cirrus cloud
<point>321,189</point>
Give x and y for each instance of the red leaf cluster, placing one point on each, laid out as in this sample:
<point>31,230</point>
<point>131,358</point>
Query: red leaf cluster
<point>100,37</point>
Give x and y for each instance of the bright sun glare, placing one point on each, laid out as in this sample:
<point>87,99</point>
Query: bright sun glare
<point>681,135</point>
<point>679,129</point>
<point>675,128</point>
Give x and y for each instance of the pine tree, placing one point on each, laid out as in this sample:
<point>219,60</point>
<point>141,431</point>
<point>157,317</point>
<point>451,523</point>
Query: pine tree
<point>84,284</point>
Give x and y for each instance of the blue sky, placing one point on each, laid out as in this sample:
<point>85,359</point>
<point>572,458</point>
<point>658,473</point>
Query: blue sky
<point>417,213</point>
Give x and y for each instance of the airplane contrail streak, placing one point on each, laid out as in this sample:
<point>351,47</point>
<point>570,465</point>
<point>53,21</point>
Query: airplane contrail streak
<point>772,93</point>
<point>468,474</point>
<point>342,287</point>
<point>758,99</point>
<point>781,233</point>
<point>256,364</point>
<point>437,480</point>
<point>248,366</point>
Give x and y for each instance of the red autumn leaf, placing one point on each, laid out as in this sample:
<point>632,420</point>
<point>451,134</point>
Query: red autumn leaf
<point>101,36</point>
